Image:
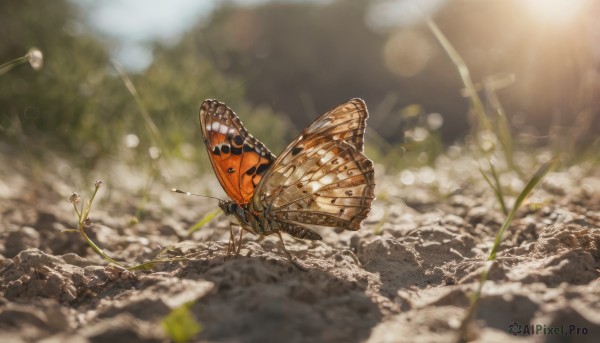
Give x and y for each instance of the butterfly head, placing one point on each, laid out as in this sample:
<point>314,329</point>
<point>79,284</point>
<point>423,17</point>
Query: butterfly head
<point>229,207</point>
<point>248,220</point>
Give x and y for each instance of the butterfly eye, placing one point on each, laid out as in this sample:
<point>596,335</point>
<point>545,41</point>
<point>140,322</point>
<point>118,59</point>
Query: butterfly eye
<point>230,170</point>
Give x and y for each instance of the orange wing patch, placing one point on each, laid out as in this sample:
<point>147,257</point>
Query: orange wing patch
<point>238,159</point>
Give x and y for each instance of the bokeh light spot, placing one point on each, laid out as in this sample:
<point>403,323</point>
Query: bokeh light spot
<point>407,52</point>
<point>555,11</point>
<point>131,141</point>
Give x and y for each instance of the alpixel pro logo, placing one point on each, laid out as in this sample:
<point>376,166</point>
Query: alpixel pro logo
<point>537,329</point>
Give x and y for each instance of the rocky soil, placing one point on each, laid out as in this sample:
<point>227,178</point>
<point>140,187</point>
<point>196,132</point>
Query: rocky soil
<point>406,276</point>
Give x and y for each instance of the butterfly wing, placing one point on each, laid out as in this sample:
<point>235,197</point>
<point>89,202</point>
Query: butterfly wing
<point>238,159</point>
<point>322,178</point>
<point>346,122</point>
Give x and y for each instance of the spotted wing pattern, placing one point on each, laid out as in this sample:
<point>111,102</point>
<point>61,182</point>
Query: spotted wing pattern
<point>238,159</point>
<point>323,178</point>
<point>346,122</point>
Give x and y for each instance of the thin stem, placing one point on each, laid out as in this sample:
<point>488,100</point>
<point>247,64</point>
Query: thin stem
<point>83,216</point>
<point>89,204</point>
<point>152,128</point>
<point>150,264</point>
<point>96,248</point>
<point>78,214</point>
<point>81,228</point>
<point>4,68</point>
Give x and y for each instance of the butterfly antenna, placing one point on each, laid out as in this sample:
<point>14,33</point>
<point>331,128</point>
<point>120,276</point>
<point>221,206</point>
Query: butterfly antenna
<point>197,195</point>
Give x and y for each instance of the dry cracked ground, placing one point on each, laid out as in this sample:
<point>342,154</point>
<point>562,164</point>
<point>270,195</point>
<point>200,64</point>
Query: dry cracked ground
<point>406,276</point>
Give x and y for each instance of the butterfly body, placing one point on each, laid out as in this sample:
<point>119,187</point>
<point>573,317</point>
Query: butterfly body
<point>321,180</point>
<point>260,223</point>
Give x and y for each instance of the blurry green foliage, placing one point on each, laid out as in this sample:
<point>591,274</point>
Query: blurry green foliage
<point>180,324</point>
<point>41,108</point>
<point>176,83</point>
<point>420,137</point>
<point>78,104</point>
<point>296,60</point>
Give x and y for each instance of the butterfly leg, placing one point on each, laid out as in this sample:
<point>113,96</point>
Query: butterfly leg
<point>289,256</point>
<point>239,247</point>
<point>231,245</point>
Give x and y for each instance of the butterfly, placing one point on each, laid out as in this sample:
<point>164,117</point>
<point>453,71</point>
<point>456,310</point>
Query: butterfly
<point>321,180</point>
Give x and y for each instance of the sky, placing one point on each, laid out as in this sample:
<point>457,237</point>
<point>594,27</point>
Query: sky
<point>136,23</point>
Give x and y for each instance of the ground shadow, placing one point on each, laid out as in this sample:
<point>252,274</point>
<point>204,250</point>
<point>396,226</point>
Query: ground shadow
<point>257,299</point>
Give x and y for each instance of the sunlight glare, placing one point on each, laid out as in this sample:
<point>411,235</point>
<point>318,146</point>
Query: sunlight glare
<point>552,10</point>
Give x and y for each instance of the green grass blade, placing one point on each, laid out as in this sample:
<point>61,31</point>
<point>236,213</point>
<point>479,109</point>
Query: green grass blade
<point>497,193</point>
<point>205,220</point>
<point>463,329</point>
<point>535,179</point>
<point>498,188</point>
<point>465,75</point>
<point>503,130</point>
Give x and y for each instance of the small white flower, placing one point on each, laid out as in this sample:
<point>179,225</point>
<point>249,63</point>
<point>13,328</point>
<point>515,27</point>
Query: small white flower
<point>36,58</point>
